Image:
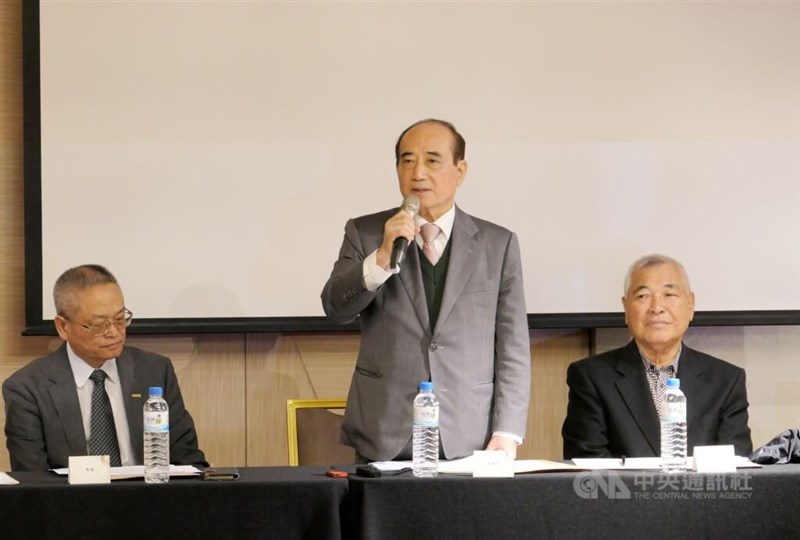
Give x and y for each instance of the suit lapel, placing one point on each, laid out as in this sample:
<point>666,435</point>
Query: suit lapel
<point>633,388</point>
<point>65,401</point>
<point>126,366</point>
<point>690,369</point>
<point>411,277</point>
<point>464,245</point>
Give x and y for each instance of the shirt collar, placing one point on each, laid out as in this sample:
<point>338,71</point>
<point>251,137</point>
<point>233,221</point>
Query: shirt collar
<point>648,365</point>
<point>81,370</point>
<point>445,222</point>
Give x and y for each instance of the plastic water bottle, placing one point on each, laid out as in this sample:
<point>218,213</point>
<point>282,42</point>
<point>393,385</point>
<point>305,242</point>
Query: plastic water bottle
<point>426,432</point>
<point>156,438</point>
<point>673,428</point>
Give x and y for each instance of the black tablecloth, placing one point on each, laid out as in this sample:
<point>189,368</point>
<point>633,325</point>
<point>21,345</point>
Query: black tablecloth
<point>753,503</point>
<point>302,502</point>
<point>280,502</point>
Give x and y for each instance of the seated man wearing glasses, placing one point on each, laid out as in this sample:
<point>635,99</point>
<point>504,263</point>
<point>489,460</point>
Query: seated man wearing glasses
<point>86,398</point>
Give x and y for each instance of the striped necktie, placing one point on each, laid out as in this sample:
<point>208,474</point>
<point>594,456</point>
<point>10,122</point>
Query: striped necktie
<point>103,432</point>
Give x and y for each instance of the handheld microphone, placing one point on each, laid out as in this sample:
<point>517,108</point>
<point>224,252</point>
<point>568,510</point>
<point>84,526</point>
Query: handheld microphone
<point>410,204</point>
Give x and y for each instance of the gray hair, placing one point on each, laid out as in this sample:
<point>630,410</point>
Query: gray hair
<point>77,279</point>
<point>649,261</point>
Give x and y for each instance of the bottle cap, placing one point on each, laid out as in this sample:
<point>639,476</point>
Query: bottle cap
<point>426,385</point>
<point>673,383</point>
<point>155,391</point>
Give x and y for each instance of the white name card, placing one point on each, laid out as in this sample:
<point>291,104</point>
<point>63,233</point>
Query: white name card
<point>714,459</point>
<point>89,470</point>
<point>492,464</point>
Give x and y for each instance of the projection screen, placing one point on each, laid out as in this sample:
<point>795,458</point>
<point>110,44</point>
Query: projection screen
<point>209,153</point>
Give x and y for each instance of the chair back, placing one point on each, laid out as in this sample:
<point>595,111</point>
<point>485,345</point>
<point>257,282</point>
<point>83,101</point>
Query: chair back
<point>313,432</point>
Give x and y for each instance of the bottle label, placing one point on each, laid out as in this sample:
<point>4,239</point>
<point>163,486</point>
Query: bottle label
<point>673,412</point>
<point>426,416</point>
<point>156,421</point>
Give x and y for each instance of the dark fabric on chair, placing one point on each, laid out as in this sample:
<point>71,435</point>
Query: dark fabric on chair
<point>785,448</point>
<point>318,432</point>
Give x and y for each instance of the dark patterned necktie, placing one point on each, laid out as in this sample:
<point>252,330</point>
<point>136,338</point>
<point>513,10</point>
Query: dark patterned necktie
<point>103,433</point>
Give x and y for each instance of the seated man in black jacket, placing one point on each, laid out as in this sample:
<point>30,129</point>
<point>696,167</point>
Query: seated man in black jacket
<point>615,397</point>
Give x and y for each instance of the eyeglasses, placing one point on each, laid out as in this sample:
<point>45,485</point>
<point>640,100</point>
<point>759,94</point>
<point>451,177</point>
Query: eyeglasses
<point>122,319</point>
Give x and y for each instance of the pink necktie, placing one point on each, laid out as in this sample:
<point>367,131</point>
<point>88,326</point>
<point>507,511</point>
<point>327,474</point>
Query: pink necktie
<point>429,234</point>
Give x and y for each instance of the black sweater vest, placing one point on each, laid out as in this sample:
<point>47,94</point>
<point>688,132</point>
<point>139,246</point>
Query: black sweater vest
<point>433,278</point>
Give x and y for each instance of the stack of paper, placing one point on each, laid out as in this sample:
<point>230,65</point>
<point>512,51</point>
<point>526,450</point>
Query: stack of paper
<point>467,466</point>
<point>137,471</point>
<point>639,464</point>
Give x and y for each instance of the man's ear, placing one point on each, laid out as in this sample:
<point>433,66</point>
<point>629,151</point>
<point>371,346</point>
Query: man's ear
<point>61,326</point>
<point>625,310</point>
<point>462,171</point>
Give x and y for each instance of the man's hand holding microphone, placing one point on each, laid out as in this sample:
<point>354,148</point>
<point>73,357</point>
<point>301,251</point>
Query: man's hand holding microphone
<point>398,232</point>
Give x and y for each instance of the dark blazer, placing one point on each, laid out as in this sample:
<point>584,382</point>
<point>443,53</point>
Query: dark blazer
<point>478,354</point>
<point>611,411</point>
<point>43,416</point>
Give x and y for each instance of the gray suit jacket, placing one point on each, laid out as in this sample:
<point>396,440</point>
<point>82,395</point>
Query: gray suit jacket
<point>478,355</point>
<point>611,411</point>
<point>43,416</point>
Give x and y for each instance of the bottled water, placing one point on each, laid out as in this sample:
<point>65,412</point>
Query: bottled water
<point>156,438</point>
<point>673,428</point>
<point>426,431</point>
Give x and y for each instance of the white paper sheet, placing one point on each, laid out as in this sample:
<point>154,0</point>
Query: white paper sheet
<point>137,471</point>
<point>6,480</point>
<point>648,463</point>
<point>465,465</point>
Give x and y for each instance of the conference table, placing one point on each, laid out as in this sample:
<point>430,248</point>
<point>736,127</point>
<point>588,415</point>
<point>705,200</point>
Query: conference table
<point>269,502</point>
<point>301,502</point>
<point>751,503</point>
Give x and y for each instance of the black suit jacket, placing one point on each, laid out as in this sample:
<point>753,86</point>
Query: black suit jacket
<point>43,416</point>
<point>611,411</point>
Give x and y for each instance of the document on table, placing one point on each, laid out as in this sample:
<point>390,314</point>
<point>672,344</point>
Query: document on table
<point>6,480</point>
<point>137,471</point>
<point>387,466</point>
<point>642,464</point>
<point>466,466</point>
<point>616,463</point>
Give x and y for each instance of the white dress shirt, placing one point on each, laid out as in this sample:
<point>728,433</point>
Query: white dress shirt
<point>375,276</point>
<point>84,386</point>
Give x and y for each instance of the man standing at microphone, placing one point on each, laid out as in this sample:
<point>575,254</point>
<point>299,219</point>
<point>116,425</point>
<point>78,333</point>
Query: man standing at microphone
<point>452,311</point>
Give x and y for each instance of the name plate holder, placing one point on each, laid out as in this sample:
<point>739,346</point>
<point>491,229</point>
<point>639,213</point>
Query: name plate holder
<point>492,464</point>
<point>89,470</point>
<point>714,459</point>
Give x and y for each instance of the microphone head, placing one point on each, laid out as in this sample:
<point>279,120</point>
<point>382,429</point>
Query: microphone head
<point>411,204</point>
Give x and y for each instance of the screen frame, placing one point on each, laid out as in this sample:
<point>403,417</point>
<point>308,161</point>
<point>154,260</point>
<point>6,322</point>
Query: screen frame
<point>37,325</point>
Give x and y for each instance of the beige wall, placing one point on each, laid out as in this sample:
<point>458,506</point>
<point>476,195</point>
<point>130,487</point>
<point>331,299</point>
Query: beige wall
<point>236,385</point>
